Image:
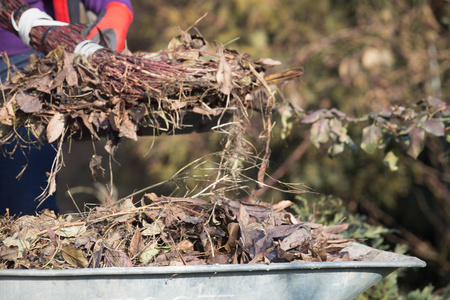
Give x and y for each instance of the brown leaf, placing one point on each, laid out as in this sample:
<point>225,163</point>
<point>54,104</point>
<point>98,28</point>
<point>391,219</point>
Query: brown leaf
<point>223,76</point>
<point>136,244</point>
<point>88,124</point>
<point>55,127</point>
<point>71,76</point>
<point>74,256</point>
<point>185,246</point>
<point>116,258</point>
<point>9,253</point>
<point>59,78</point>
<point>233,235</point>
<point>28,103</point>
<point>295,239</point>
<point>5,117</point>
<point>335,228</point>
<point>152,229</point>
<point>96,165</point>
<point>128,128</point>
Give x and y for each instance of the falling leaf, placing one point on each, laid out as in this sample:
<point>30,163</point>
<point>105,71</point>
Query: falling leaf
<point>28,103</point>
<point>370,139</point>
<point>95,165</point>
<point>74,256</point>
<point>55,127</point>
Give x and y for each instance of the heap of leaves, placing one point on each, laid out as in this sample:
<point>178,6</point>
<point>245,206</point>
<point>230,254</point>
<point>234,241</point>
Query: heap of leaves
<point>167,232</point>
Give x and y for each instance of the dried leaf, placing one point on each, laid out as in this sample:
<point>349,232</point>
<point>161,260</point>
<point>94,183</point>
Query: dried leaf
<point>116,258</point>
<point>223,76</point>
<point>72,231</point>
<point>55,127</point>
<point>71,75</point>
<point>28,103</point>
<point>9,253</point>
<point>74,256</point>
<point>95,165</point>
<point>136,244</point>
<point>185,246</point>
<point>268,62</point>
<point>295,239</point>
<point>152,229</point>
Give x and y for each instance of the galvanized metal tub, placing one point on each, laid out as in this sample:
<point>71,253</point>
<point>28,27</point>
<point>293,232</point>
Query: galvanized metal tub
<point>316,280</point>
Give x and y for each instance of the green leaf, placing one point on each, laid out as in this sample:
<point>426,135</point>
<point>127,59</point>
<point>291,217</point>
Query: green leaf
<point>320,132</point>
<point>148,255</point>
<point>433,127</point>
<point>370,139</point>
<point>336,149</point>
<point>416,142</point>
<point>391,160</point>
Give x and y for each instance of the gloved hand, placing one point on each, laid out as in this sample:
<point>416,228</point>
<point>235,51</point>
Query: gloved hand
<point>113,22</point>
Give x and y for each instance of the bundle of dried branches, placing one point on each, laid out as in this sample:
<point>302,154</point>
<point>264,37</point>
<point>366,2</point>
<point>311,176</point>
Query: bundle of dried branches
<point>168,231</point>
<point>116,91</point>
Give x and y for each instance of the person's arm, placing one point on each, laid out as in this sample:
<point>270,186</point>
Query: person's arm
<point>114,19</point>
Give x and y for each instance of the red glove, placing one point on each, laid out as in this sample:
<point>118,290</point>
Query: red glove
<point>113,22</point>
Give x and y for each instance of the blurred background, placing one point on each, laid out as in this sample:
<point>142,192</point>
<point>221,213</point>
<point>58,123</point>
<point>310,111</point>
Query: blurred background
<point>359,57</point>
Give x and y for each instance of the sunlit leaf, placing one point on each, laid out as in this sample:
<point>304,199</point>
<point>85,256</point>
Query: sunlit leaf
<point>320,132</point>
<point>148,255</point>
<point>55,127</point>
<point>370,139</point>
<point>391,160</point>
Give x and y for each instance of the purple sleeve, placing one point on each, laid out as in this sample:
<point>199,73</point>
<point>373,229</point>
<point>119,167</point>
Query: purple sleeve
<point>98,5</point>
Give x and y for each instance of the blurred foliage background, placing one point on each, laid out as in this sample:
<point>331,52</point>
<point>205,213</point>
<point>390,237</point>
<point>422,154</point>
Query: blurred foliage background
<point>360,57</point>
